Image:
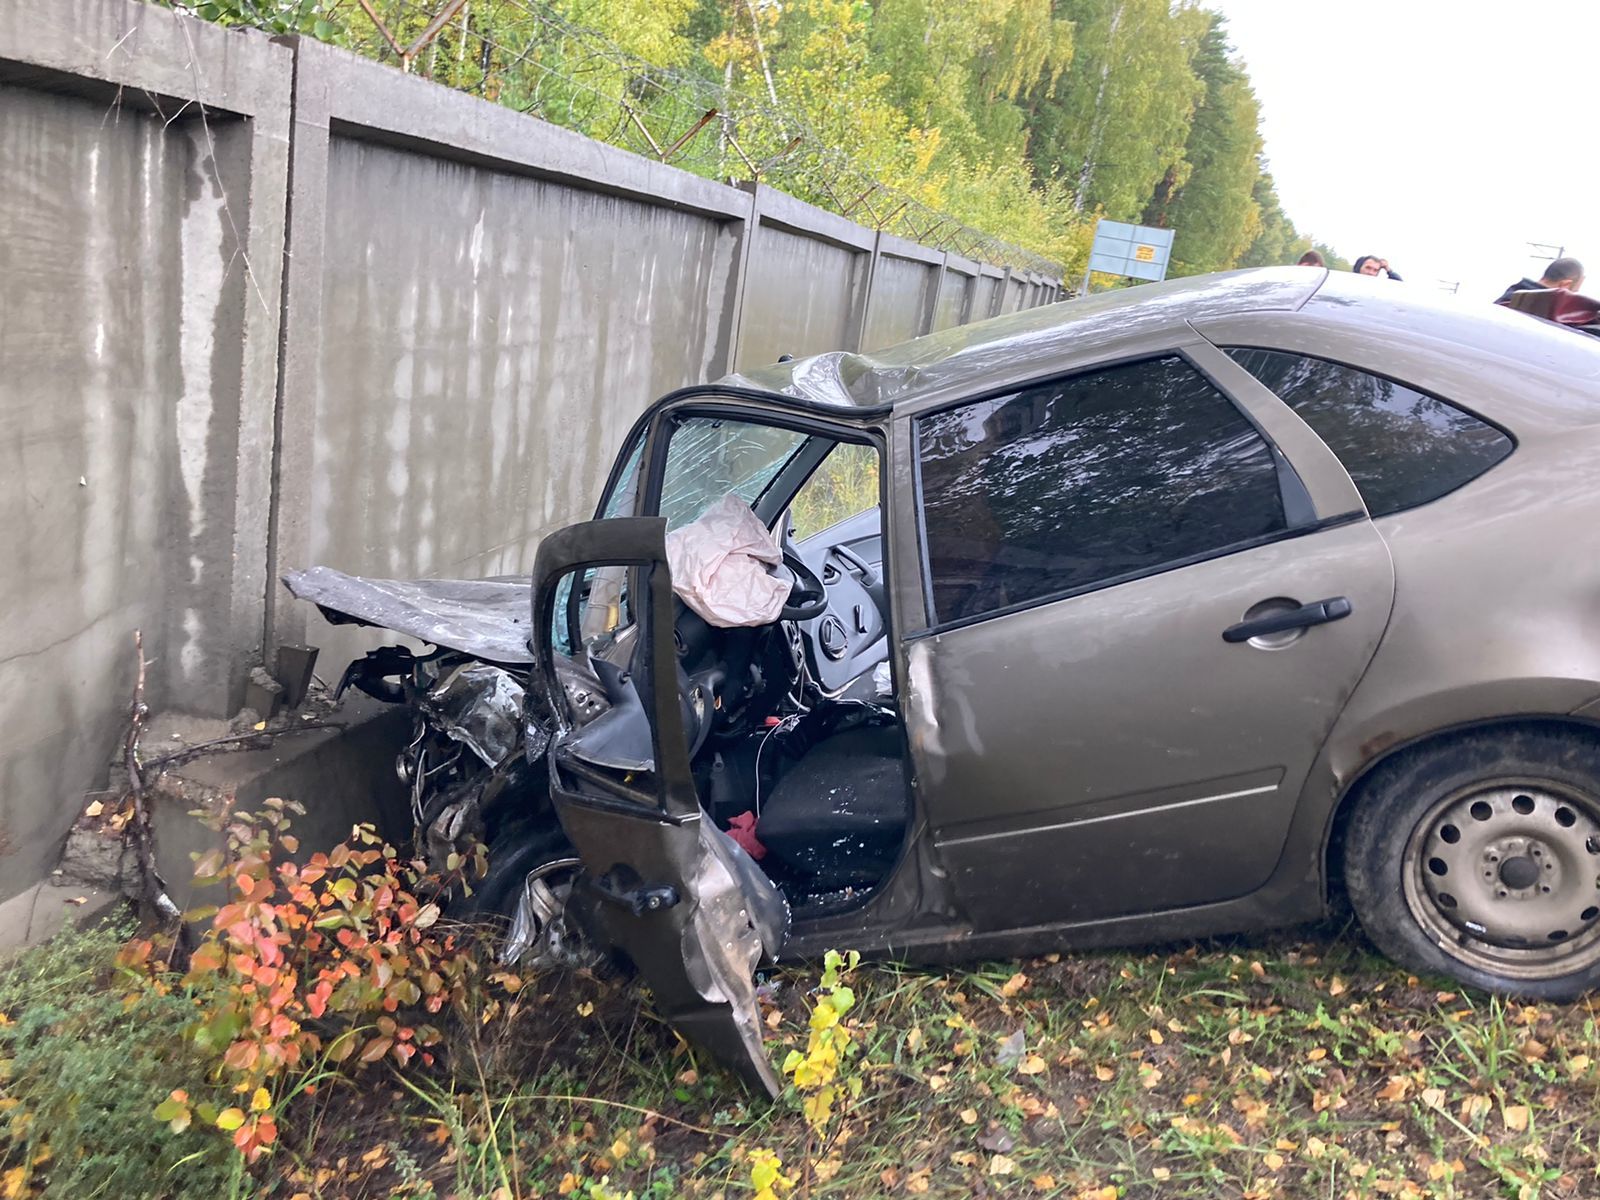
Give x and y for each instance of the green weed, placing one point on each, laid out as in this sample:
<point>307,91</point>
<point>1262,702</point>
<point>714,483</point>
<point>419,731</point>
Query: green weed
<point>85,1057</point>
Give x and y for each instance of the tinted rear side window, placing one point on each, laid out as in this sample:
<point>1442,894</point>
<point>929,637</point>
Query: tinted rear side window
<point>1401,446</point>
<point>1082,481</point>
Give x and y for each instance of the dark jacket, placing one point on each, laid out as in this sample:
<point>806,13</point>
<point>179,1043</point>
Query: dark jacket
<point>1521,285</point>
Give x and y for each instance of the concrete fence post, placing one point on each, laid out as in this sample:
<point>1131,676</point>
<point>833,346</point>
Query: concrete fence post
<point>863,306</point>
<point>732,318</point>
<point>941,272</point>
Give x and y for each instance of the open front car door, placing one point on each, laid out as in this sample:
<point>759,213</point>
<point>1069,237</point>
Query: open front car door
<point>673,892</point>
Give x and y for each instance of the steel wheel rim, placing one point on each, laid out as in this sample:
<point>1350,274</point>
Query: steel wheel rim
<point>1504,876</point>
<point>538,934</point>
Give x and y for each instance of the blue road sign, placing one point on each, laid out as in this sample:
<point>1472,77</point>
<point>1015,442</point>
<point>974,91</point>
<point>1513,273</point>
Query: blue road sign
<point>1136,250</point>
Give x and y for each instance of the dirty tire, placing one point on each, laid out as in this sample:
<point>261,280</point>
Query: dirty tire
<point>519,849</point>
<point>1445,851</point>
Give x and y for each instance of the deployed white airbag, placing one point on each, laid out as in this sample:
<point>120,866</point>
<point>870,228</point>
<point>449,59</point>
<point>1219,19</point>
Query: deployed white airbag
<point>719,566</point>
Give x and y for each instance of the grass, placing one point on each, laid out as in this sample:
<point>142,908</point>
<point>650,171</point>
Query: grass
<point>1273,1068</point>
<point>845,484</point>
<point>82,1065</point>
<point>1290,1066</point>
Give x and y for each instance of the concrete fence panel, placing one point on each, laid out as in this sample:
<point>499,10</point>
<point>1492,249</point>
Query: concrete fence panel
<point>958,293</point>
<point>905,284</point>
<point>143,163</point>
<point>807,283</point>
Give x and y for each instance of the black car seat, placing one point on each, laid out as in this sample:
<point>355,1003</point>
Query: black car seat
<point>835,817</point>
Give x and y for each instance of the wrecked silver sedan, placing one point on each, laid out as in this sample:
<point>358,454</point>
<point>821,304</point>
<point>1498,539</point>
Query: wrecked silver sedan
<point>1183,610</point>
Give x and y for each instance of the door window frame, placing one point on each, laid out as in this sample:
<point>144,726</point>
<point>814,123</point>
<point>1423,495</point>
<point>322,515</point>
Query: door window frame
<point>1299,509</point>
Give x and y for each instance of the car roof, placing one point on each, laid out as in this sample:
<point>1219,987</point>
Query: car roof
<point>966,357</point>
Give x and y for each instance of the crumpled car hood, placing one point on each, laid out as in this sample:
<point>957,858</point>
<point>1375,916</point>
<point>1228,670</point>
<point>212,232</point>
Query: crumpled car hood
<point>484,618</point>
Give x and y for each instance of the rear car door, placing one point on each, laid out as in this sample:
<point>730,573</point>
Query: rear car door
<point>1149,591</point>
<point>673,892</point>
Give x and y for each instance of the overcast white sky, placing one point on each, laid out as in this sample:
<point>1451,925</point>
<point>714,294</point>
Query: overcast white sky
<point>1442,136</point>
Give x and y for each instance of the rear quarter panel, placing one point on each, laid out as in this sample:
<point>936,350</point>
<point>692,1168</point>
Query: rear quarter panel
<point>1497,585</point>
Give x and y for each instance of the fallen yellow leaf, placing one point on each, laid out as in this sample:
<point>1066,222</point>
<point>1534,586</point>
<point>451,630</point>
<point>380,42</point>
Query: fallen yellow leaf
<point>1013,985</point>
<point>969,1116</point>
<point>1001,1165</point>
<point>12,1182</point>
<point>1395,1089</point>
<point>1516,1117</point>
<point>1104,1074</point>
<point>1031,1065</point>
<point>918,1181</point>
<point>1273,1159</point>
<point>1044,1183</point>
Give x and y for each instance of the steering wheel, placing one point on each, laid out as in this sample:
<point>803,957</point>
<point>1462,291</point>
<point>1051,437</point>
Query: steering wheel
<point>808,598</point>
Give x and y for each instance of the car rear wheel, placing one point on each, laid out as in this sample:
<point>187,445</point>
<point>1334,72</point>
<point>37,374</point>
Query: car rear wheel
<point>1478,856</point>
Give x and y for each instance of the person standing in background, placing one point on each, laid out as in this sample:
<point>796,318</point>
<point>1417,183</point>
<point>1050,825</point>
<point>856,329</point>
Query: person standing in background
<point>1371,264</point>
<point>1564,273</point>
<point>1312,258</point>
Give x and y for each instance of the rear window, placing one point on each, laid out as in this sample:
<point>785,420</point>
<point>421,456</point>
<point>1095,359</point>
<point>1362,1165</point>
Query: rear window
<point>1401,446</point>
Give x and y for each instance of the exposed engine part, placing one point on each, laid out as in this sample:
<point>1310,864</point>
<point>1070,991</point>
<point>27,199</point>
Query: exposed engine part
<point>479,706</point>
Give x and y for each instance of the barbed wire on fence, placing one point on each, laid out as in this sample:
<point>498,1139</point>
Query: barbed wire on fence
<point>526,56</point>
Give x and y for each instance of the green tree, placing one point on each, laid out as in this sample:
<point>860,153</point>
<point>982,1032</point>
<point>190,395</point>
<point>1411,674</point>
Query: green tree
<point>823,66</point>
<point>959,67</point>
<point>1213,210</point>
<point>1114,125</point>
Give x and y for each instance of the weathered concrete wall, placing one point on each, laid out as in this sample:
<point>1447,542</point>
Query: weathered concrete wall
<point>902,290</point>
<point>267,305</point>
<point>139,255</point>
<point>955,294</point>
<point>800,298</point>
